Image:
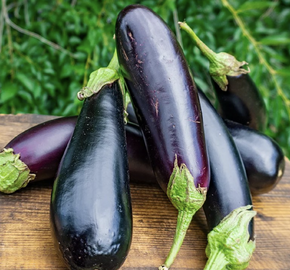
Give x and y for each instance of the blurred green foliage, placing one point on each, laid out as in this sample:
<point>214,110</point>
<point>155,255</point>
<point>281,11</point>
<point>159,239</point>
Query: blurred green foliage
<point>39,77</point>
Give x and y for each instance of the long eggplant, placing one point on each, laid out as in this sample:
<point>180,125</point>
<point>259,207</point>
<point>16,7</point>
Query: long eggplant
<point>166,103</point>
<point>34,154</point>
<point>228,204</point>
<point>238,96</point>
<point>90,211</point>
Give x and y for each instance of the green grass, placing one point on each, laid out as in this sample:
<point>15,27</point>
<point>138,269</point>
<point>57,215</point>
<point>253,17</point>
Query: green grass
<point>39,77</point>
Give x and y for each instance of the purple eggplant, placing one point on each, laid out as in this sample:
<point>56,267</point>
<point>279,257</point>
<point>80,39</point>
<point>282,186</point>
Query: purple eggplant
<point>238,96</point>
<point>90,210</point>
<point>34,154</point>
<point>242,102</point>
<point>167,107</point>
<point>262,157</point>
<point>228,204</point>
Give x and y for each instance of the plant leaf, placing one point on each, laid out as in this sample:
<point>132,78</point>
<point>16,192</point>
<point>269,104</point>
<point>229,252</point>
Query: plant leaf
<point>255,5</point>
<point>8,91</point>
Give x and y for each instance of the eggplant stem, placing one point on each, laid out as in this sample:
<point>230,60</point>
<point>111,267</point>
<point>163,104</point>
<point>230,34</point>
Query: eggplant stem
<point>208,53</point>
<point>183,221</point>
<point>187,199</point>
<point>221,64</point>
<point>217,261</point>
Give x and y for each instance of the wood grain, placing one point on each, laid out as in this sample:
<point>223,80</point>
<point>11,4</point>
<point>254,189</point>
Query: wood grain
<point>26,243</point>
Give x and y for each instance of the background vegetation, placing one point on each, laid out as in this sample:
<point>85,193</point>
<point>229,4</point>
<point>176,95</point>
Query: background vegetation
<point>49,48</point>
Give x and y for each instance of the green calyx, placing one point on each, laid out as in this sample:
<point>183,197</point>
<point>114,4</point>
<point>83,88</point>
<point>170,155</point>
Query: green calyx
<point>221,64</point>
<point>105,76</point>
<point>187,199</point>
<point>181,190</point>
<point>98,79</point>
<point>14,174</point>
<point>229,246</point>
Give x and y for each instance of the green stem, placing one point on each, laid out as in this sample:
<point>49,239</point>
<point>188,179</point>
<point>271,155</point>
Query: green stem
<point>216,261</point>
<point>221,64</point>
<point>183,221</point>
<point>187,199</point>
<point>208,53</point>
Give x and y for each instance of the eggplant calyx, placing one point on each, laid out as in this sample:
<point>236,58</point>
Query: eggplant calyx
<point>187,199</point>
<point>228,243</point>
<point>221,64</point>
<point>101,77</point>
<point>98,79</point>
<point>225,65</point>
<point>14,174</point>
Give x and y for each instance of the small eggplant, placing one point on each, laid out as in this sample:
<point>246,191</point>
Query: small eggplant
<point>242,102</point>
<point>238,96</point>
<point>167,107</point>
<point>90,211</point>
<point>34,154</point>
<point>262,157</point>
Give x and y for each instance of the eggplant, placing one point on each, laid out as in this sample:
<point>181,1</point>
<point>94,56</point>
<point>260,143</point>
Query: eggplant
<point>262,157</point>
<point>90,209</point>
<point>242,102</point>
<point>238,97</point>
<point>165,99</point>
<point>34,154</point>
<point>228,205</point>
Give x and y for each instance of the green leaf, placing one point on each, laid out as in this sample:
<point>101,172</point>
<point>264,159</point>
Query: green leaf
<point>255,5</point>
<point>66,71</point>
<point>25,81</point>
<point>284,71</point>
<point>74,40</point>
<point>8,91</point>
<point>275,40</point>
<point>80,56</point>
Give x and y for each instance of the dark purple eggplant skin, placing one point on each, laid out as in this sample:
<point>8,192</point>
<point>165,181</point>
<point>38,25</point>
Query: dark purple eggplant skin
<point>90,211</point>
<point>262,157</point>
<point>242,102</point>
<point>229,188</point>
<point>41,147</point>
<point>163,94</point>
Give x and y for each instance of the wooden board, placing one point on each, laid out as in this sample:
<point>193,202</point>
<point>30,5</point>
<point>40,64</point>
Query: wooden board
<point>26,243</point>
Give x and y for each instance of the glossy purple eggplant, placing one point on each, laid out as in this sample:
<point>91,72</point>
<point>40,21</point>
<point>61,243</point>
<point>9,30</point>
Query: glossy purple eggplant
<point>238,96</point>
<point>262,157</point>
<point>35,154</point>
<point>167,107</point>
<point>242,102</point>
<point>90,210</point>
<point>228,193</point>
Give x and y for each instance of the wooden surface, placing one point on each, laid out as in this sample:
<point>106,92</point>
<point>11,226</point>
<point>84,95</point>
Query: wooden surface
<point>26,243</point>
